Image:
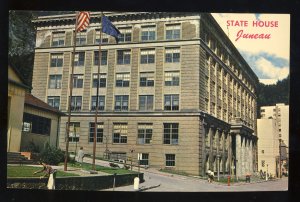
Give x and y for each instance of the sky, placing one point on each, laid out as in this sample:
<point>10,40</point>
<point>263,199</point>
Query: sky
<point>268,57</point>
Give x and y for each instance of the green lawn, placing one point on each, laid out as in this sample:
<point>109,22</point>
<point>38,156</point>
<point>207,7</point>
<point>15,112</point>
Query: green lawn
<point>87,166</point>
<point>27,171</point>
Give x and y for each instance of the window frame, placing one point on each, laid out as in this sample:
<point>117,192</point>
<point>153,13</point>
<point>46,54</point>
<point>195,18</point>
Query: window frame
<point>57,82</point>
<point>122,101</point>
<point>81,59</point>
<point>53,102</point>
<point>102,80</point>
<point>74,138</point>
<point>99,132</point>
<point>56,60</point>
<point>148,106</point>
<point>171,106</point>
<point>59,39</point>
<point>147,56</point>
<point>101,98</point>
<point>170,160</point>
<point>170,55</point>
<point>171,137</point>
<point>146,79</point>
<point>124,57</point>
<point>81,38</point>
<point>172,28</point>
<point>77,80</point>
<point>148,33</point>
<point>122,79</point>
<point>126,34</point>
<point>172,78</point>
<point>75,106</point>
<point>123,132</point>
<point>103,58</point>
<point>144,133</point>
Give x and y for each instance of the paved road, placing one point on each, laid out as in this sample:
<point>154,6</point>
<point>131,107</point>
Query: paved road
<point>189,184</point>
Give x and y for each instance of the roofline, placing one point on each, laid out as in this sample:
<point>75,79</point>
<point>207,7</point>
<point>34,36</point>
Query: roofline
<point>44,109</point>
<point>19,84</point>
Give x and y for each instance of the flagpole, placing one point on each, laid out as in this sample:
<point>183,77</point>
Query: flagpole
<point>97,94</point>
<point>70,97</point>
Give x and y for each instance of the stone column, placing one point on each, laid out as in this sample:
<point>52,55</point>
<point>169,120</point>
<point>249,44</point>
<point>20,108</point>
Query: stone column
<point>223,151</point>
<point>238,165</point>
<point>251,156</point>
<point>210,136</point>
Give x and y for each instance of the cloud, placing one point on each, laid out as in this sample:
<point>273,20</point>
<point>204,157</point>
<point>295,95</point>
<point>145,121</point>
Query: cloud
<point>279,43</point>
<point>270,71</point>
<point>268,81</point>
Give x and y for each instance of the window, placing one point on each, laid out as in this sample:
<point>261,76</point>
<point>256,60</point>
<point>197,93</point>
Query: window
<point>263,163</point>
<point>147,79</point>
<point>102,80</point>
<point>74,131</point>
<point>172,78</point>
<point>173,31</point>
<point>79,59</point>
<point>148,33</point>
<point>37,124</point>
<point>121,102</point>
<point>77,81</point>
<point>123,57</point>
<point>146,102</point>
<point>171,133</point>
<point>144,159</point>
<point>171,102</point>
<point>54,101</point>
<point>76,103</point>
<point>55,81</point>
<point>81,38</point>
<point>262,151</point>
<point>170,159</point>
<point>122,79</point>
<point>144,133</point>
<point>147,56</point>
<point>125,35</point>
<point>99,134</point>
<point>120,133</point>
<point>103,57</point>
<point>101,102</point>
<point>104,37</point>
<point>172,55</point>
<point>58,38</point>
<point>56,60</point>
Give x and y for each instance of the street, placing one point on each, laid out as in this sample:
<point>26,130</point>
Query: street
<point>155,182</point>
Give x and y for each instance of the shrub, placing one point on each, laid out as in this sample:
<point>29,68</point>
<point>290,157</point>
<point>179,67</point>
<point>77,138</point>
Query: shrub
<point>51,155</point>
<point>32,147</point>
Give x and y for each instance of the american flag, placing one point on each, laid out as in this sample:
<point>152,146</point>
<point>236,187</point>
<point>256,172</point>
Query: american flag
<point>83,20</point>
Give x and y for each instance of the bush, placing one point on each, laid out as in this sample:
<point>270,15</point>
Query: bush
<point>51,155</point>
<point>32,147</point>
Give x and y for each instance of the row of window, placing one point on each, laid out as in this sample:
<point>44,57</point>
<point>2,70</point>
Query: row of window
<point>146,102</point>
<point>122,80</point>
<point>120,133</point>
<point>148,33</point>
<point>147,56</point>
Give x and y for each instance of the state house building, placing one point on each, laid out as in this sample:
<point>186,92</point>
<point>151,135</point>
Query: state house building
<point>173,89</point>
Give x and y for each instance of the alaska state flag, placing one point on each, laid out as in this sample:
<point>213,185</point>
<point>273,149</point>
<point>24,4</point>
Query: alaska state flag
<point>109,28</point>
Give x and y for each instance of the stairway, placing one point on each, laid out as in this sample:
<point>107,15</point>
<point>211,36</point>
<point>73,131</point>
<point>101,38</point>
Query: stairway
<point>17,158</point>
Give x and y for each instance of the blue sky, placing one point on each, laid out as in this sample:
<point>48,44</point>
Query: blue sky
<point>269,58</point>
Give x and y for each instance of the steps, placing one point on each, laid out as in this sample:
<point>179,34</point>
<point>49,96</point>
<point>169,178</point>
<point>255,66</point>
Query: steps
<point>17,158</point>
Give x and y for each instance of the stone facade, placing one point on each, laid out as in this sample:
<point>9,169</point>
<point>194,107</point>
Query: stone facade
<point>211,90</point>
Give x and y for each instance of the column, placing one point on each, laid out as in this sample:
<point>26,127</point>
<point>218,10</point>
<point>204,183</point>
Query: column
<point>238,155</point>
<point>210,136</point>
<point>223,151</point>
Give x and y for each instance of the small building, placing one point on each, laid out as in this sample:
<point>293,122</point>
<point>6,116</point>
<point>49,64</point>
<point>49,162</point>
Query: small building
<point>40,124</point>
<point>16,95</point>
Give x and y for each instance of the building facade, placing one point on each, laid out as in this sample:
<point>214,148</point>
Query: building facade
<point>280,116</point>
<point>174,89</point>
<point>16,96</point>
<point>268,146</point>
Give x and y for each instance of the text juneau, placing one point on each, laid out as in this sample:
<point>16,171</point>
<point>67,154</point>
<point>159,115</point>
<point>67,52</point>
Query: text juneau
<point>256,23</point>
